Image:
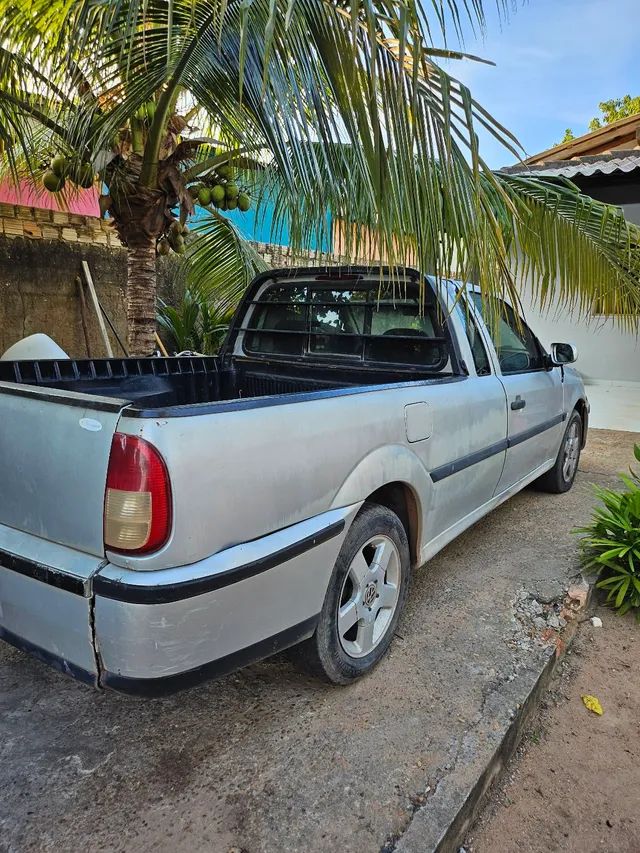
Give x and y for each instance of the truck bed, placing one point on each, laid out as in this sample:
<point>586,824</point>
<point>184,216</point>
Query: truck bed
<point>151,383</point>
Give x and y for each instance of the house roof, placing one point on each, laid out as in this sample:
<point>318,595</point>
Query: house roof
<point>621,162</point>
<point>623,134</point>
<point>610,150</point>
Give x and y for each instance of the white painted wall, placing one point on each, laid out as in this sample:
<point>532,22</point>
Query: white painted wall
<point>605,351</point>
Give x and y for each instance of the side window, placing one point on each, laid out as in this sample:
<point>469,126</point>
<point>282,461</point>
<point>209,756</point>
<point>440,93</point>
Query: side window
<point>478,349</point>
<point>517,348</point>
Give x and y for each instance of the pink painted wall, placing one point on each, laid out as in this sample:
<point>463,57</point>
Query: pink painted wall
<point>84,202</point>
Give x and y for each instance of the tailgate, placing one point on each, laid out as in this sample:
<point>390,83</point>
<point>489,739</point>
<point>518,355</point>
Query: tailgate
<point>54,453</point>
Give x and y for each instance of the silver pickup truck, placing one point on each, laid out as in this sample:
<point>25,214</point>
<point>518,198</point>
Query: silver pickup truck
<point>164,520</point>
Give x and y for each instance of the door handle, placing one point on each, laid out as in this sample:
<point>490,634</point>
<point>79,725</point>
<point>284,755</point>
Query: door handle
<point>518,403</point>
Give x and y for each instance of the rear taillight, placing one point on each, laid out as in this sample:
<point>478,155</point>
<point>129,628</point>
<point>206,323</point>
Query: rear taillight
<point>137,503</point>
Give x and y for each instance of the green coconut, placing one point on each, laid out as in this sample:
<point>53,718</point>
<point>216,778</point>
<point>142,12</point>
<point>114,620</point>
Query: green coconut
<point>231,191</point>
<point>163,247</point>
<point>244,202</point>
<point>84,175</point>
<point>53,182</point>
<point>204,196</point>
<point>59,165</point>
<point>217,194</point>
<point>224,170</point>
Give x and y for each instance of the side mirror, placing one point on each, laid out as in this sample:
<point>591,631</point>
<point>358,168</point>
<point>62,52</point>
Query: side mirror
<point>563,354</point>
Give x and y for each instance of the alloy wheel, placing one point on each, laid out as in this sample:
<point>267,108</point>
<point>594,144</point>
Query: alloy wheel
<point>571,452</point>
<point>369,596</point>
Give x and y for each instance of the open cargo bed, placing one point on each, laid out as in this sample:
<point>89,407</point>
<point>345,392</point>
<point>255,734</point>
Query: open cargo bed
<point>166,382</point>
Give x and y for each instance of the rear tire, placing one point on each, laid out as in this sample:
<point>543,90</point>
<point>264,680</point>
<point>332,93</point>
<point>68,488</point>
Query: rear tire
<point>560,478</point>
<point>366,595</point>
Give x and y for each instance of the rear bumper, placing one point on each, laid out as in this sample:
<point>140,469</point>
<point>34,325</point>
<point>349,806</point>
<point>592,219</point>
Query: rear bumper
<point>164,685</point>
<point>45,604</point>
<point>50,658</point>
<point>155,632</point>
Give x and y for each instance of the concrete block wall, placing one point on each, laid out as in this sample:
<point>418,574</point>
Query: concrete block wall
<point>39,291</point>
<point>40,259</point>
<point>34,223</point>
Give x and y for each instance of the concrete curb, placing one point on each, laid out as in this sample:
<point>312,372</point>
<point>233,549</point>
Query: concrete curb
<point>442,824</point>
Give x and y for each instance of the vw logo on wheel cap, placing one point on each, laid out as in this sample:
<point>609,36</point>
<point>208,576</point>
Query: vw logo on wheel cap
<point>369,594</point>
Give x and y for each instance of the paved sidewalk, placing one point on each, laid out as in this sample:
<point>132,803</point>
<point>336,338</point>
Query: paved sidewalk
<point>615,405</point>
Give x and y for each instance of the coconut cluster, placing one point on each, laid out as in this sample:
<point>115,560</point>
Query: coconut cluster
<point>79,172</point>
<point>221,191</point>
<point>174,239</point>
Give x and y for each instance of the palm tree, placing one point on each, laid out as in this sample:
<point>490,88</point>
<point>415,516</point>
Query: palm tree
<point>328,106</point>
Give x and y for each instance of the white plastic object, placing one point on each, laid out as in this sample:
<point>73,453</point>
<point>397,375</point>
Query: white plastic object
<point>34,348</point>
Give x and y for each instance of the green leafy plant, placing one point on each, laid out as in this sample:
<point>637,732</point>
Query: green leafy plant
<point>611,543</point>
<point>195,324</point>
<point>208,284</point>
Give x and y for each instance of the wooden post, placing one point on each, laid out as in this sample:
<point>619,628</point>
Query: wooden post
<point>96,306</point>
<point>161,346</point>
<point>83,315</point>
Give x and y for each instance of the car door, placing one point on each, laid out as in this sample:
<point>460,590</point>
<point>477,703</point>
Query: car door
<point>466,452</point>
<point>534,393</point>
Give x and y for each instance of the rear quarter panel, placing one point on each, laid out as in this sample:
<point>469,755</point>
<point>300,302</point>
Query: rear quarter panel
<point>240,474</point>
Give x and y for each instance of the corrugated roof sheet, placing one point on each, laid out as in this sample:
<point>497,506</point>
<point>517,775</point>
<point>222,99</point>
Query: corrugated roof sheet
<point>584,166</point>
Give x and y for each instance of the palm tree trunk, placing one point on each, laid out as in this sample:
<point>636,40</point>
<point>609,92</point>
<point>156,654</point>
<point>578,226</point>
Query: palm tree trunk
<point>141,299</point>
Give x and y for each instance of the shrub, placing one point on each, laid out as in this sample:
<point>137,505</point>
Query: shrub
<point>195,324</point>
<point>611,543</point>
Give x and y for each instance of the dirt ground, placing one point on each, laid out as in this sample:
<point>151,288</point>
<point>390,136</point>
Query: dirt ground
<point>575,783</point>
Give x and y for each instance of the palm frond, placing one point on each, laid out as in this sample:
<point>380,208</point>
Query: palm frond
<point>563,237</point>
<point>352,113</point>
<point>220,262</point>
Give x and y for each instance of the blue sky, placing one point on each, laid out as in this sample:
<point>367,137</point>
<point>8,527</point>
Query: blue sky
<point>555,61</point>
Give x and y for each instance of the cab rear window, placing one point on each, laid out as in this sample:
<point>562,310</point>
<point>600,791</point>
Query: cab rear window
<point>386,324</point>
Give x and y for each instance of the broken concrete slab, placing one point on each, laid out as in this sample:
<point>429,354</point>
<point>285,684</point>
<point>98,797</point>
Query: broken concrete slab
<point>268,759</point>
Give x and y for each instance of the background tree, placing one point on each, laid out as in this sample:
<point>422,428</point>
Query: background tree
<point>614,110</point>
<point>334,110</point>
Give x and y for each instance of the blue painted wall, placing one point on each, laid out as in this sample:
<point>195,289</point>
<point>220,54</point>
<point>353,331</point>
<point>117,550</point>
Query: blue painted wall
<point>259,227</point>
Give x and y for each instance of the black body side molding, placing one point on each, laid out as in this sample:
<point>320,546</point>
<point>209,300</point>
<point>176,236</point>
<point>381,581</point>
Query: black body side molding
<point>136,594</point>
<point>463,462</point>
<point>40,572</point>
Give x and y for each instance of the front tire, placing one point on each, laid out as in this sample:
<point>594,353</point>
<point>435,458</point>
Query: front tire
<point>366,595</point>
<point>560,478</point>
